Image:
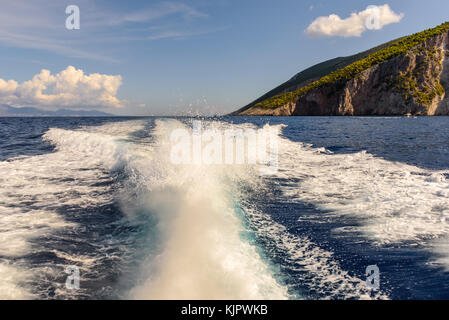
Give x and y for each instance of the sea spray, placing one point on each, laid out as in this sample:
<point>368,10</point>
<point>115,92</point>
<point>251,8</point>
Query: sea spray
<point>203,255</point>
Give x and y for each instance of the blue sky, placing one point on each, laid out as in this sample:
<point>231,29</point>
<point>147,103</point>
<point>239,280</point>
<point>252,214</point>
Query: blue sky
<point>177,57</point>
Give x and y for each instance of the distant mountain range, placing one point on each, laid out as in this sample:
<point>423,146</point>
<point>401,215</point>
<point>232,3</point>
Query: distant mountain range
<point>8,111</point>
<point>407,76</point>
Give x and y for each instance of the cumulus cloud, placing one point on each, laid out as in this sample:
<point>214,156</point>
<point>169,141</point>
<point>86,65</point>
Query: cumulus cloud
<point>373,18</point>
<point>69,88</point>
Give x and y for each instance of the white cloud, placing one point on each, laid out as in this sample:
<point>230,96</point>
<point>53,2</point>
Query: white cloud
<point>69,88</point>
<point>373,18</point>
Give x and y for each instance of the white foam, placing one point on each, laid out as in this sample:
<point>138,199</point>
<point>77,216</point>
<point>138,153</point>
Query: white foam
<point>10,286</point>
<point>203,255</point>
<point>393,201</point>
<point>323,272</point>
<point>33,187</point>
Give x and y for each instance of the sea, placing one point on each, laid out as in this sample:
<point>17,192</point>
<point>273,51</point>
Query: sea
<point>96,208</point>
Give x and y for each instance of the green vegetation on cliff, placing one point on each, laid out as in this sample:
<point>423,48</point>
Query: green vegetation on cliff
<point>412,84</point>
<point>391,50</point>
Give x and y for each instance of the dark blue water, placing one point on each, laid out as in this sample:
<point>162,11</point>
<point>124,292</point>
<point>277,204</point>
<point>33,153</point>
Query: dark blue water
<point>118,244</point>
<point>420,141</point>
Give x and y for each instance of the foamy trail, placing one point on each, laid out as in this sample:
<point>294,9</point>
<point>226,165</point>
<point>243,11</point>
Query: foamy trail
<point>394,202</point>
<point>203,255</point>
<point>34,191</point>
<point>200,253</point>
<point>199,248</point>
<point>199,216</point>
<point>208,230</point>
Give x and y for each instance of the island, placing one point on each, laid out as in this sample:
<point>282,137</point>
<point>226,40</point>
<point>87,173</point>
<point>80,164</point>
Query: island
<point>404,77</point>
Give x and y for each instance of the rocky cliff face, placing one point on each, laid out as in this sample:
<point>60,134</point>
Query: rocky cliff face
<point>414,83</point>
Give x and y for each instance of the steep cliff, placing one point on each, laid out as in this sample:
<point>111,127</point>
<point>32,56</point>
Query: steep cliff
<point>409,76</point>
